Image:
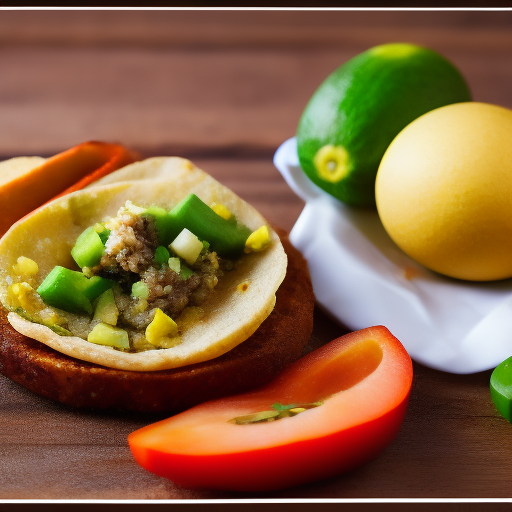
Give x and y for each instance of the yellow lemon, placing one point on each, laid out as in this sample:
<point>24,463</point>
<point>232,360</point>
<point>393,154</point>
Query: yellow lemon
<point>444,191</point>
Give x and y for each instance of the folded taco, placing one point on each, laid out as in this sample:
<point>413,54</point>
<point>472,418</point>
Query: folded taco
<point>157,268</point>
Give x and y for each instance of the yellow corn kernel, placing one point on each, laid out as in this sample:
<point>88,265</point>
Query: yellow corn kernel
<point>221,210</point>
<point>22,293</point>
<point>258,240</point>
<point>160,328</point>
<point>25,267</point>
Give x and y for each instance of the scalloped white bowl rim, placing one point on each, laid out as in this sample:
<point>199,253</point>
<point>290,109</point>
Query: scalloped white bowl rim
<point>362,278</point>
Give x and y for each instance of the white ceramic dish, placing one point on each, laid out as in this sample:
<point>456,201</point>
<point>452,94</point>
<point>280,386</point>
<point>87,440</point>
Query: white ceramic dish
<point>362,278</point>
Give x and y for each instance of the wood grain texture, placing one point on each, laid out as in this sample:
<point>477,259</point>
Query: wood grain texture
<point>177,81</point>
<point>451,444</point>
<point>225,89</point>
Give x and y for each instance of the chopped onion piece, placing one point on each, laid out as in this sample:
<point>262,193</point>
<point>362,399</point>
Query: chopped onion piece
<point>187,246</point>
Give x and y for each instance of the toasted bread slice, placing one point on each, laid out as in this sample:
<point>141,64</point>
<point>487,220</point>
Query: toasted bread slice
<point>279,340</point>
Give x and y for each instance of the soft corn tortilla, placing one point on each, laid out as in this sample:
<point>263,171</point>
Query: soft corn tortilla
<point>231,316</point>
<point>157,169</point>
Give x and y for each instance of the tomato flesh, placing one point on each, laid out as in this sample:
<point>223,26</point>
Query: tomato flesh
<point>363,382</point>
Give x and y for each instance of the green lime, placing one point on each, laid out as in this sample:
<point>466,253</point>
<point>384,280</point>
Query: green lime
<point>501,388</point>
<point>358,110</point>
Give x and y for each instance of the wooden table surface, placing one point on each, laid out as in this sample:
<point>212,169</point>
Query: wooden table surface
<point>225,89</point>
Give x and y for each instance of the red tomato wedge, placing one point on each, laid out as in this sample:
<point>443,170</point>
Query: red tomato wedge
<point>348,398</point>
<point>61,174</point>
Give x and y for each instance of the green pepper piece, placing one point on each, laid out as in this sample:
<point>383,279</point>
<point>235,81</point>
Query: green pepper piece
<point>104,334</point>
<point>163,223</point>
<point>61,289</point>
<point>140,289</point>
<point>501,388</point>
<point>88,248</point>
<point>162,255</point>
<point>102,231</point>
<point>186,272</point>
<point>93,287</point>
<point>105,308</point>
<point>225,237</point>
<point>72,291</point>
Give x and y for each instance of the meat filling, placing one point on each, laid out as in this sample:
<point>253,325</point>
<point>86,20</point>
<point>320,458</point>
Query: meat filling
<point>129,258</point>
<point>131,244</point>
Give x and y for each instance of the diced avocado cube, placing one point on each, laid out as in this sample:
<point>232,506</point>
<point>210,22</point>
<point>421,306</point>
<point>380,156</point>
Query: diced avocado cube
<point>174,264</point>
<point>226,237</point>
<point>93,287</point>
<point>161,255</point>
<point>72,291</point>
<point>162,326</point>
<point>140,289</point>
<point>106,310</point>
<point>163,223</point>
<point>102,231</point>
<point>61,289</point>
<point>185,272</point>
<point>104,334</point>
<point>88,248</point>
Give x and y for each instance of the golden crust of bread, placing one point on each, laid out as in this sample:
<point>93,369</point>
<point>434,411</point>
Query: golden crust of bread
<point>279,340</point>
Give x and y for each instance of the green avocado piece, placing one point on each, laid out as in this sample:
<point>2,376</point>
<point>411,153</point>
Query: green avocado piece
<point>93,287</point>
<point>162,255</point>
<point>88,248</point>
<point>185,272</point>
<point>163,223</point>
<point>106,310</point>
<point>104,334</point>
<point>102,231</point>
<point>72,291</point>
<point>226,238</point>
<point>140,289</point>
